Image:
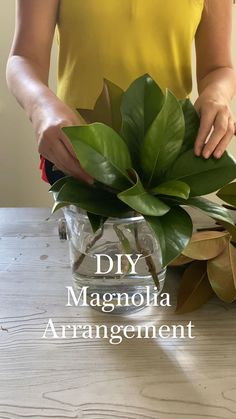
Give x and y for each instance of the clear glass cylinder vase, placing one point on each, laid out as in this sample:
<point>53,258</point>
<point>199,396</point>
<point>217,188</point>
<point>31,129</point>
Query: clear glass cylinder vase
<point>119,265</point>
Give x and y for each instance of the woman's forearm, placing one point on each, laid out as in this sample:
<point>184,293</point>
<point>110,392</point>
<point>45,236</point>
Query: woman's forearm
<point>220,83</point>
<point>28,82</point>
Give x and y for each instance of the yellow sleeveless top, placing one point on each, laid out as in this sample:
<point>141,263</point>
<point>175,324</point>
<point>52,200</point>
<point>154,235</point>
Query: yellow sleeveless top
<point>122,39</point>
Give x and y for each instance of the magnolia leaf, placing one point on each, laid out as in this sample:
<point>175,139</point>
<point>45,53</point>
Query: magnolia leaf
<point>172,188</point>
<point>192,124</point>
<point>90,199</point>
<point>163,140</point>
<point>58,205</point>
<point>181,260</point>
<point>96,221</point>
<point>222,274</point>
<point>173,231</point>
<point>59,183</point>
<point>153,101</point>
<point>107,107</point>
<point>195,289</point>
<point>102,153</point>
<point>212,209</point>
<point>228,193</point>
<point>230,228</point>
<point>141,201</point>
<point>206,245</point>
<point>202,175</point>
<point>141,102</point>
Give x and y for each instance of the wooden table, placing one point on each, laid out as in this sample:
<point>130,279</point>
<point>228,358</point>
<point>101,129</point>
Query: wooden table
<point>93,379</point>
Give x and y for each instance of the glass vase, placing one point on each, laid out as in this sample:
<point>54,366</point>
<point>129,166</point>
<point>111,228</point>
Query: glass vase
<point>118,268</point>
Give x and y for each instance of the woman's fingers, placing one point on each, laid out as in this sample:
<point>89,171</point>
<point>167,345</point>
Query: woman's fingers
<point>66,162</point>
<point>206,122</point>
<point>54,145</point>
<point>55,150</point>
<point>69,149</point>
<point>220,129</point>
<point>222,145</point>
<point>67,144</point>
<point>216,128</point>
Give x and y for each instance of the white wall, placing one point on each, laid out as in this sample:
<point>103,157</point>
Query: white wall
<point>20,183</point>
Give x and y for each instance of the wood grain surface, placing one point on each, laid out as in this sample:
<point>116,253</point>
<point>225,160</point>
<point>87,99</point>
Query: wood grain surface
<point>90,378</point>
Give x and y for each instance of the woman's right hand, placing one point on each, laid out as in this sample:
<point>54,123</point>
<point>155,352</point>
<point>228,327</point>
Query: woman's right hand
<point>53,144</point>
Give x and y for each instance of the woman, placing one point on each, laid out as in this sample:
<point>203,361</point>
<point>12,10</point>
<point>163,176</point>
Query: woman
<point>120,40</point>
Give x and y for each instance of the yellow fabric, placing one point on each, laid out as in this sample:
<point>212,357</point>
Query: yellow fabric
<point>121,40</point>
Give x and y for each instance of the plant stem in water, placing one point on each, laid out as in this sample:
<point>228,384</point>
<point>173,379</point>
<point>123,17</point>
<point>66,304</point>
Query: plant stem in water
<point>80,259</point>
<point>148,259</point>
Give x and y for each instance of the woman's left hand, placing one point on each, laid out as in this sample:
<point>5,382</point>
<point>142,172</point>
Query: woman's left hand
<point>217,120</point>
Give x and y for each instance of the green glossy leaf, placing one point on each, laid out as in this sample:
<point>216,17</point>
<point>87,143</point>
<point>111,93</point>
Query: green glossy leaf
<point>102,153</point>
<point>202,175</point>
<point>173,230</point>
<point>228,193</point>
<point>212,209</point>
<point>59,183</point>
<point>172,188</point>
<point>90,199</point>
<point>192,124</point>
<point>141,201</point>
<point>222,274</point>
<point>58,205</point>
<point>141,102</point>
<point>153,101</point>
<point>195,289</point>
<point>173,201</point>
<point>163,140</point>
<point>96,221</point>
<point>57,186</point>
<point>107,107</point>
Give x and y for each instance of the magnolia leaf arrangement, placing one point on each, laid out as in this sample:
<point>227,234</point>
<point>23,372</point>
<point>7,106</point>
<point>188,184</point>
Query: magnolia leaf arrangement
<point>210,258</point>
<point>138,146</point>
